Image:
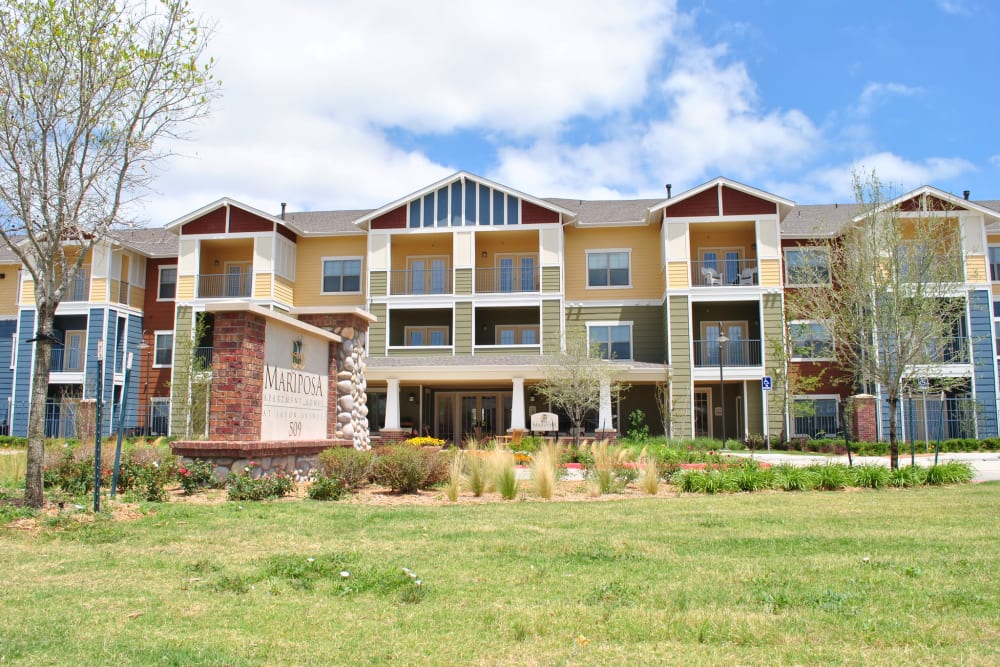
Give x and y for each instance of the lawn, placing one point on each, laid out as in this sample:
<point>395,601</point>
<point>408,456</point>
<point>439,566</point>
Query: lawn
<point>863,577</point>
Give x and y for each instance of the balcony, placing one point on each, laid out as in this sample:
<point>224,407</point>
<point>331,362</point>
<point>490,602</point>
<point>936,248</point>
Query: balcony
<point>201,358</point>
<point>409,282</point>
<point>507,280</point>
<point>734,353</point>
<point>79,289</point>
<point>224,285</point>
<point>947,350</point>
<point>725,273</point>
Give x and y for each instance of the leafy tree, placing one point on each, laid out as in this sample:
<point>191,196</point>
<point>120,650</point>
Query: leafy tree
<point>89,89</point>
<point>892,306</point>
<point>573,381</point>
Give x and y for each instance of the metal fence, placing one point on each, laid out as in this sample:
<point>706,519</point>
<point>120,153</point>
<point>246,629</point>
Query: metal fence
<point>937,419</point>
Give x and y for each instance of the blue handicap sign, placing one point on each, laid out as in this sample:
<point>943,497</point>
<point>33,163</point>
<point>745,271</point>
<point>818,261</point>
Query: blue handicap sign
<point>766,383</point>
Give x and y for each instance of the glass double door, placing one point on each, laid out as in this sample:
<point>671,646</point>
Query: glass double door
<point>461,415</point>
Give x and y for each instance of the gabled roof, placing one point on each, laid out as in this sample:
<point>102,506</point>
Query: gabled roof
<point>175,225</point>
<point>458,176</point>
<point>817,220</point>
<point>153,242</point>
<point>600,211</point>
<point>324,223</point>
<point>928,190</point>
<point>723,181</point>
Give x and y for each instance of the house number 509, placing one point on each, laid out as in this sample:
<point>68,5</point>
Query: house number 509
<point>294,428</point>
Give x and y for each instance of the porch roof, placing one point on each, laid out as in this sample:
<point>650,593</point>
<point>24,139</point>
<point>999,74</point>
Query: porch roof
<point>430,368</point>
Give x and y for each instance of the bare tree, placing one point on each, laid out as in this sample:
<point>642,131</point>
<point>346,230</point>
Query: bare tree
<point>88,91</point>
<point>895,303</point>
<point>573,381</point>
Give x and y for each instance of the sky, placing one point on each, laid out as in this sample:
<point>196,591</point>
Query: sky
<point>336,104</point>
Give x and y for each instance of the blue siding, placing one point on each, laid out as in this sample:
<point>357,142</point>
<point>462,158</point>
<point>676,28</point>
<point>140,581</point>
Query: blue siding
<point>984,363</point>
<point>101,326</point>
<point>22,374</point>
<point>7,330</point>
<point>134,329</point>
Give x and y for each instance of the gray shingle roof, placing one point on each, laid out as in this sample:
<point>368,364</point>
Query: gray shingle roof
<point>817,219</point>
<point>607,210</point>
<point>326,222</point>
<point>150,241</point>
<point>7,255</point>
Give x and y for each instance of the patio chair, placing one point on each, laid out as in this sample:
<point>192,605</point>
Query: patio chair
<point>710,276</point>
<point>748,277</point>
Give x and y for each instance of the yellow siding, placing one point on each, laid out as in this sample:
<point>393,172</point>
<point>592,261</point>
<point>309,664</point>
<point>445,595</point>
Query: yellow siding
<point>262,286</point>
<point>770,273</point>
<point>996,289</point>
<point>185,288</point>
<point>975,269</point>
<point>309,254</point>
<point>644,243</point>
<point>28,292</point>
<point>284,290</point>
<point>137,297</point>
<point>678,275</point>
<point>99,290</point>
<point>8,291</point>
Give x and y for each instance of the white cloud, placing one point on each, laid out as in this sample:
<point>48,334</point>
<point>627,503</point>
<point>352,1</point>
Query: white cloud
<point>956,7</point>
<point>875,93</point>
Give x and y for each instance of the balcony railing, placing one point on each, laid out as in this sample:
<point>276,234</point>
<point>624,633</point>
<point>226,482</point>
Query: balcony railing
<point>733,353</point>
<point>944,419</point>
<point>507,279</point>
<point>947,350</point>
<point>79,289</point>
<point>62,360</point>
<point>201,357</point>
<point>420,281</point>
<point>725,272</point>
<point>224,285</point>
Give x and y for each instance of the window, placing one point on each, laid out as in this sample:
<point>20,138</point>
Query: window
<point>454,206</point>
<point>610,341</point>
<point>168,283</point>
<point>74,351</point>
<point>284,258</point>
<point>807,266</point>
<point>608,269</point>
<point>995,263</point>
<point>510,334</point>
<point>341,275</point>
<point>163,352</point>
<point>429,275</point>
<point>516,273</point>
<point>159,415</point>
<point>811,340</point>
<point>426,336</point>
<point>815,416</point>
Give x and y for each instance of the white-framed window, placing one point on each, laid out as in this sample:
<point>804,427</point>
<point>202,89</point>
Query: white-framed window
<point>426,336</point>
<point>159,415</point>
<point>163,349</point>
<point>341,275</point>
<point>610,340</point>
<point>816,415</point>
<point>807,266</point>
<point>74,351</point>
<point>811,341</point>
<point>517,334</point>
<point>166,286</point>
<point>609,268</point>
<point>994,257</point>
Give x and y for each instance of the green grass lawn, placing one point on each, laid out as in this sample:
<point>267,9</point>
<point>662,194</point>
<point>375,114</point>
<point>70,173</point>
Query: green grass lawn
<point>875,578</point>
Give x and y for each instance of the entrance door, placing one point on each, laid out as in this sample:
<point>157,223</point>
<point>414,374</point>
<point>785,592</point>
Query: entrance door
<point>703,413</point>
<point>458,416</point>
<point>238,279</point>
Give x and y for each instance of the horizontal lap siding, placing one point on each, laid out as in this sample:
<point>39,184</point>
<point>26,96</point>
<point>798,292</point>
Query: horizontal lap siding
<point>647,327</point>
<point>551,327</point>
<point>463,328</point>
<point>981,334</point>
<point>8,289</point>
<point>773,330</point>
<point>309,254</point>
<point>680,365</point>
<point>550,279</point>
<point>646,273</point>
<point>463,281</point>
<point>376,334</point>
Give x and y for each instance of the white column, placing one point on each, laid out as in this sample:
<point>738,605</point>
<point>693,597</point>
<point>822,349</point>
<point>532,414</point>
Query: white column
<point>604,413</point>
<point>517,406</point>
<point>392,405</point>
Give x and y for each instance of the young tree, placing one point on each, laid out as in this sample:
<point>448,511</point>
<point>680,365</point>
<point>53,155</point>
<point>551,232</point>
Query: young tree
<point>88,91</point>
<point>891,308</point>
<point>573,381</point>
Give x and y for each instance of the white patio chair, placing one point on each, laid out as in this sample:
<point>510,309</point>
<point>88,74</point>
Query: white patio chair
<point>710,276</point>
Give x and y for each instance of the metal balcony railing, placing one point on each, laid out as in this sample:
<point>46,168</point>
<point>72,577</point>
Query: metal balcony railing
<point>420,281</point>
<point>62,360</point>
<point>817,426</point>
<point>725,272</point>
<point>508,279</point>
<point>733,353</point>
<point>947,350</point>
<point>224,285</point>
<point>202,358</point>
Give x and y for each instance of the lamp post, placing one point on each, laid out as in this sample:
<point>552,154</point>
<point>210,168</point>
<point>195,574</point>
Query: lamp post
<point>722,387</point>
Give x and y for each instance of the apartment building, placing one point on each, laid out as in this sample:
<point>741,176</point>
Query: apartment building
<point>451,300</point>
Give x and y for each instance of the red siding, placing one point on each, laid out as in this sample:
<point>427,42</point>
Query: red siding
<point>213,222</point>
<point>832,380</point>
<point>735,202</point>
<point>703,203</point>
<point>933,204</point>
<point>533,214</point>
<point>288,234</point>
<point>157,316</point>
<point>243,221</point>
<point>394,219</point>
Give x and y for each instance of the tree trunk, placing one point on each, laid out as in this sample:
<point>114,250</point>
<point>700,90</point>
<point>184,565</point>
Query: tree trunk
<point>893,439</point>
<point>34,490</point>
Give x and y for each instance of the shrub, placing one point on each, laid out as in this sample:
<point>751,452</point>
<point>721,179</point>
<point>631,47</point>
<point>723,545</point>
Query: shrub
<point>749,476</point>
<point>406,469</point>
<point>638,429</point>
<point>424,441</point>
<point>545,470</point>
<point>788,477</point>
<point>327,488</point>
<point>608,473</point>
<point>649,478</point>
<point>870,476</point>
<point>530,444</point>
<point>504,473</point>
<point>705,481</point>
<point>906,476</point>
<point>197,475</point>
<point>952,472</point>
<point>352,467</point>
<point>476,469</point>
<point>455,477</point>
<point>244,487</point>
<point>831,477</point>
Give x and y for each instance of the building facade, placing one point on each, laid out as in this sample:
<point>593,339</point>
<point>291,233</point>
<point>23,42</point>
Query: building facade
<point>446,305</point>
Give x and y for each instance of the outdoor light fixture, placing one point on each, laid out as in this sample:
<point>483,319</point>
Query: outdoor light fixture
<point>483,254</point>
<point>412,397</point>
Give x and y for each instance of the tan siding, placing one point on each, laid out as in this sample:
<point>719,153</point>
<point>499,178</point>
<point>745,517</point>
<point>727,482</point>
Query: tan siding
<point>309,254</point>
<point>463,281</point>
<point>647,327</point>
<point>550,279</point>
<point>262,286</point>
<point>376,334</point>
<point>680,365</point>
<point>551,327</point>
<point>755,408</point>
<point>421,245</point>
<point>137,297</point>
<point>975,269</point>
<point>772,327</point>
<point>770,273</point>
<point>646,275</point>
<point>185,287</point>
<point>215,254</point>
<point>98,290</point>
<point>8,293</point>
<point>28,292</point>
<point>463,328</point>
<point>678,275</point>
<point>284,290</point>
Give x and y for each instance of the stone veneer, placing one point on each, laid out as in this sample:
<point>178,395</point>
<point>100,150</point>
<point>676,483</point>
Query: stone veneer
<point>237,377</point>
<point>351,397</point>
<point>296,458</point>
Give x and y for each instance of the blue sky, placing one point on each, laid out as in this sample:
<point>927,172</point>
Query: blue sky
<point>336,104</point>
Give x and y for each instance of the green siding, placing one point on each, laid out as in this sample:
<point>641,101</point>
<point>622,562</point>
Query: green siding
<point>376,333</point>
<point>180,374</point>
<point>647,327</point>
<point>551,327</point>
<point>377,283</point>
<point>463,328</point>
<point>772,327</point>
<point>550,279</point>
<point>499,350</point>
<point>680,364</point>
<point>755,408</point>
<point>463,281</point>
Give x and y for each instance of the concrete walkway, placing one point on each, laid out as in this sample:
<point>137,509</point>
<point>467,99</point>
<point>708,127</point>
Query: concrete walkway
<point>986,465</point>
